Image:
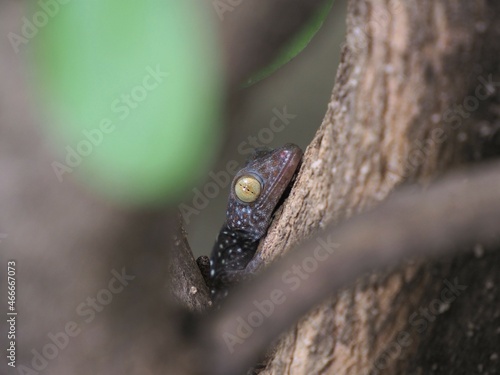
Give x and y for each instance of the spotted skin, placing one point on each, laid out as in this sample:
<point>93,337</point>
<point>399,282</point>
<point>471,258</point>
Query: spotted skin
<point>246,223</point>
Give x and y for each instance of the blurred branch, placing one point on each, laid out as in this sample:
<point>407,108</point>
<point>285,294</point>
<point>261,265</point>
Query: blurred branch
<point>459,211</point>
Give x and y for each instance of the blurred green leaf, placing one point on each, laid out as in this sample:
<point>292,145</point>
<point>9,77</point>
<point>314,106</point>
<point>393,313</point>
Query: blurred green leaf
<point>135,91</point>
<point>295,46</point>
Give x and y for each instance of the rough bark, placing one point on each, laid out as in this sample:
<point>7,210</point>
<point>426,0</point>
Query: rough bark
<point>409,104</point>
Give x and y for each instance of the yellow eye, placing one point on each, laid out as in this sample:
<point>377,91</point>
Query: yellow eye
<point>247,189</point>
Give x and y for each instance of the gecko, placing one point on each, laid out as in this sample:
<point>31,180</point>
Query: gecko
<point>255,192</point>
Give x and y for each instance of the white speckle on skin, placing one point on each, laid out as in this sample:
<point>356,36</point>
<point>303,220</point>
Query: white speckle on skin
<point>193,290</point>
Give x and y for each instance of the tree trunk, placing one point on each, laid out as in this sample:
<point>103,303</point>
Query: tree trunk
<point>415,96</point>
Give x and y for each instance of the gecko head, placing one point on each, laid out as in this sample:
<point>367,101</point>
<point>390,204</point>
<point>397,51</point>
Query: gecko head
<point>257,188</point>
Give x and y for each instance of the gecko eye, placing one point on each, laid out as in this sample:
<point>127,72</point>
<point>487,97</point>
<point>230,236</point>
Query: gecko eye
<point>247,189</point>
